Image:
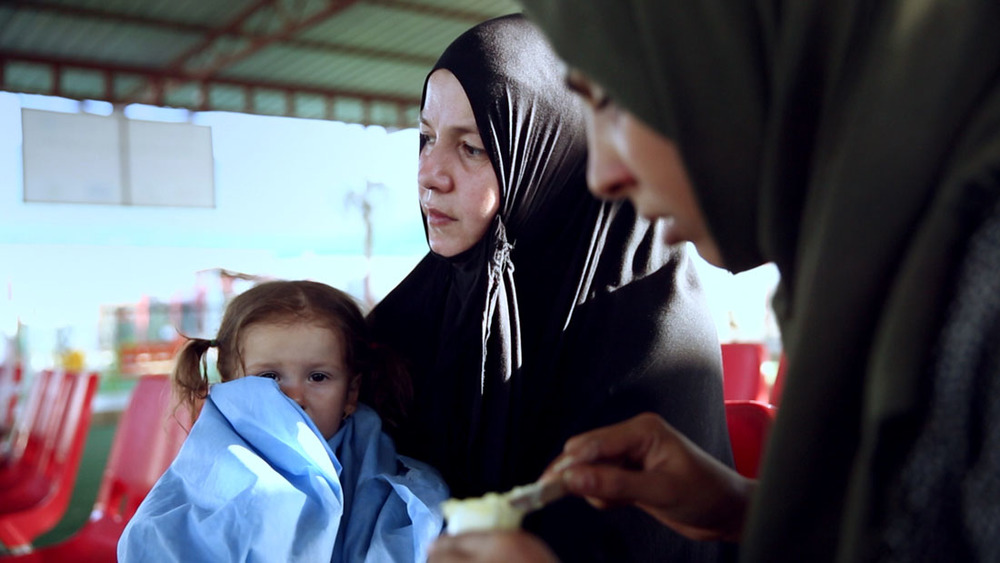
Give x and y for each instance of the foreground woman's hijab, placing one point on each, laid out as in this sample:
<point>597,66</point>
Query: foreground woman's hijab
<point>854,144</point>
<point>569,314</point>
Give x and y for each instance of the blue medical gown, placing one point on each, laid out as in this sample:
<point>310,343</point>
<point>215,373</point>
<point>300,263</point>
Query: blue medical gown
<point>255,481</point>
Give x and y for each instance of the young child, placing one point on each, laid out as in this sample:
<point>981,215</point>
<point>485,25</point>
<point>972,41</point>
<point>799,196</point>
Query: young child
<point>284,463</point>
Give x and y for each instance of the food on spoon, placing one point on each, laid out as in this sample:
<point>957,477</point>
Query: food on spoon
<point>495,511</point>
<point>491,511</point>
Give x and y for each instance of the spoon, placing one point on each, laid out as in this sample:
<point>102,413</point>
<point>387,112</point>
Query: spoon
<point>528,498</point>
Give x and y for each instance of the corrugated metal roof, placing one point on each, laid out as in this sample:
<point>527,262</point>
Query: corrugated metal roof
<point>350,60</point>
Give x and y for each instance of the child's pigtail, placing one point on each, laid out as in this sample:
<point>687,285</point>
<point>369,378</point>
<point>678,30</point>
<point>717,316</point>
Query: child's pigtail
<point>387,386</point>
<point>190,376</point>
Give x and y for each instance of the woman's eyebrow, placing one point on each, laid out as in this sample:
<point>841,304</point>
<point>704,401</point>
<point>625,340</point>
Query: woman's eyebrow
<point>464,130</point>
<point>457,129</point>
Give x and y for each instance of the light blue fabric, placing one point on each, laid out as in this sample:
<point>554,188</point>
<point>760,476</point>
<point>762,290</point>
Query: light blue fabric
<point>255,481</point>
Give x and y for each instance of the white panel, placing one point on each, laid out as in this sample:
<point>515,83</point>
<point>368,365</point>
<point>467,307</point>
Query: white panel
<point>79,158</point>
<point>170,164</point>
<point>70,158</point>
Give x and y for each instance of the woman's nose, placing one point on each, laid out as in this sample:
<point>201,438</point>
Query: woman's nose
<point>607,175</point>
<point>434,171</point>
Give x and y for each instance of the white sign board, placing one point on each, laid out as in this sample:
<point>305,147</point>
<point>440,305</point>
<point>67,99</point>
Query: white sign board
<point>82,158</point>
<point>71,157</point>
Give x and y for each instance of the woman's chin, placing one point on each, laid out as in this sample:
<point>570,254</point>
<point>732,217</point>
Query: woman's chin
<point>446,249</point>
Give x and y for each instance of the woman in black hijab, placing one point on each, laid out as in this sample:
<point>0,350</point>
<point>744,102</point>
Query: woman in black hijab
<point>567,314</point>
<point>856,145</point>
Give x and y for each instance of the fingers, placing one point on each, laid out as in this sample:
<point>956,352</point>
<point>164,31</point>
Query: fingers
<point>626,444</point>
<point>647,463</point>
<point>628,440</point>
<point>606,465</point>
<point>611,485</point>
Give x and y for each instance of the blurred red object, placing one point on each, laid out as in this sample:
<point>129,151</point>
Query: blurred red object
<point>23,446</point>
<point>10,389</point>
<point>749,427</point>
<point>37,499</point>
<point>741,371</point>
<point>148,437</point>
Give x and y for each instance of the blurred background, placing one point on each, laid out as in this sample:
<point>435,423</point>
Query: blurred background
<point>157,157</point>
<point>287,198</point>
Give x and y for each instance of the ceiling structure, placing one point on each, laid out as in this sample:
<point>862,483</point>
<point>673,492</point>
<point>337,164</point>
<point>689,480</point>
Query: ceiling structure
<point>360,61</point>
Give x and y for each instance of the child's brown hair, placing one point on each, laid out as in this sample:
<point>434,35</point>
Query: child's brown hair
<point>379,368</point>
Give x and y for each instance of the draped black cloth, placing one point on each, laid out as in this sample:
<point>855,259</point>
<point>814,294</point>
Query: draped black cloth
<point>569,314</point>
<point>856,144</point>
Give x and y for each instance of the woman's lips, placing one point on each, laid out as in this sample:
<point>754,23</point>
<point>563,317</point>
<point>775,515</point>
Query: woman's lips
<point>437,218</point>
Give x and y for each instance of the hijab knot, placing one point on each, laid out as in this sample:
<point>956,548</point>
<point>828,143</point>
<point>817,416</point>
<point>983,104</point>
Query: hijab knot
<point>501,319</point>
<point>500,262</point>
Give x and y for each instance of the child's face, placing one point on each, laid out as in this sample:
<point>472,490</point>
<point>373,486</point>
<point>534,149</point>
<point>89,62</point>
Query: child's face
<point>307,361</point>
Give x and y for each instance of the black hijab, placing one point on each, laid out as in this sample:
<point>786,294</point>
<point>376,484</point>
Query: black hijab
<point>569,314</point>
<point>855,145</point>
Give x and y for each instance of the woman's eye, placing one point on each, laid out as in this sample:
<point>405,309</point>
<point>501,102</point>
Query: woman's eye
<point>317,376</point>
<point>268,374</point>
<point>608,109</point>
<point>425,139</point>
<point>600,99</point>
<point>473,151</point>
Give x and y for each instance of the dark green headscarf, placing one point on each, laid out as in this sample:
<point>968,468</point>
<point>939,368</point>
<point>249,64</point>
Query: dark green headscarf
<point>855,144</point>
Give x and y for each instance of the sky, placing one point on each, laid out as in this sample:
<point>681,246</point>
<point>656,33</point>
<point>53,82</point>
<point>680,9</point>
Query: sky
<point>286,193</point>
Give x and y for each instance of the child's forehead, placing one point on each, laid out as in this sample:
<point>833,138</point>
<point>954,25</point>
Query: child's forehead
<point>290,342</point>
<point>286,322</point>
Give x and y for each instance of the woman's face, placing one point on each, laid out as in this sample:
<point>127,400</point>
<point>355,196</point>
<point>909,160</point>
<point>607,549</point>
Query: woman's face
<point>307,361</point>
<point>629,159</point>
<point>459,192</point>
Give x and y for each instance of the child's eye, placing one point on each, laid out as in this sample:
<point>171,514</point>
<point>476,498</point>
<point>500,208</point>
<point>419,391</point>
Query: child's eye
<point>268,374</point>
<point>318,376</point>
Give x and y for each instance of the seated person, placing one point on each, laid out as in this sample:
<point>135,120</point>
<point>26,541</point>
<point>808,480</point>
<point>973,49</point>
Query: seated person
<point>541,312</point>
<point>287,465</point>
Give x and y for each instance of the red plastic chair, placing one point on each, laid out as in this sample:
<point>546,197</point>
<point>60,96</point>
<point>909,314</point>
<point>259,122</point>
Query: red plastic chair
<point>10,390</point>
<point>749,426</point>
<point>742,379</point>
<point>146,441</point>
<point>37,503</point>
<point>36,441</point>
<point>28,434</point>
